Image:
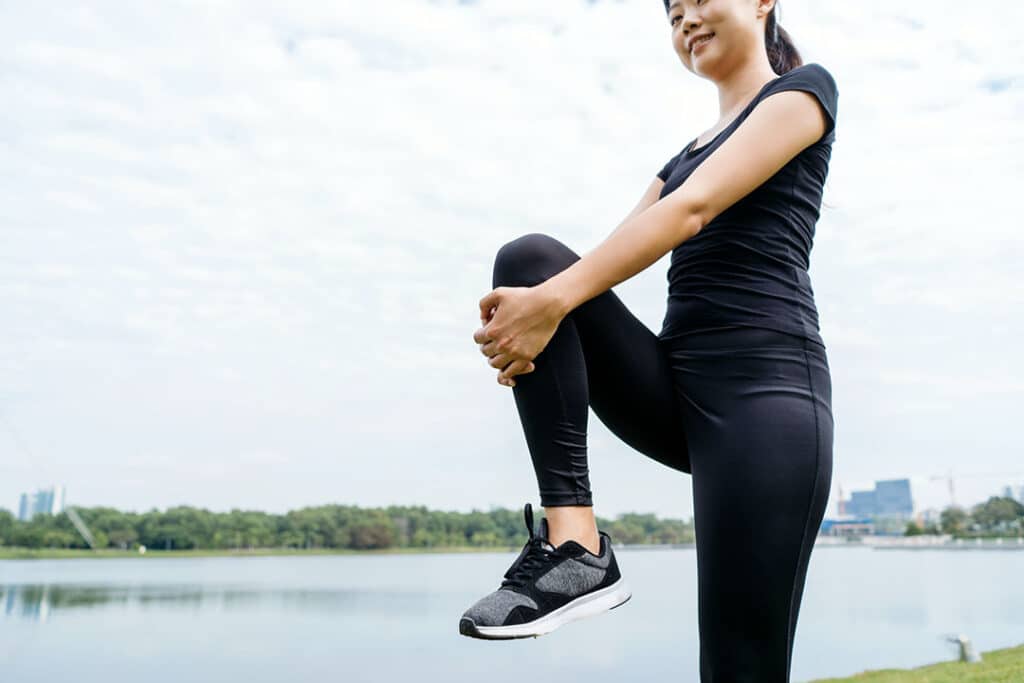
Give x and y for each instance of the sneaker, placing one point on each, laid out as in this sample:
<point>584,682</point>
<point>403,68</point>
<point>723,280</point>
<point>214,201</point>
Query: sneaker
<point>547,587</point>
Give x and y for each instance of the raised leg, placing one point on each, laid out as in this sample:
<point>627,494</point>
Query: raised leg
<point>601,356</point>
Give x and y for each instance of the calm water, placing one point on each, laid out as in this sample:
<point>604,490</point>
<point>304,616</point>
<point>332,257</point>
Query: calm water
<point>389,617</point>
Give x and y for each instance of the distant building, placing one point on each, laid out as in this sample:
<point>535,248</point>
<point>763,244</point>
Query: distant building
<point>892,497</point>
<point>1014,492</point>
<point>929,516</point>
<point>852,526</point>
<point>44,501</point>
<point>887,505</point>
<point>861,504</point>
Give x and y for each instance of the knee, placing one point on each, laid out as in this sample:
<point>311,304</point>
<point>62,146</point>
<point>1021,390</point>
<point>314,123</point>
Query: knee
<point>529,260</point>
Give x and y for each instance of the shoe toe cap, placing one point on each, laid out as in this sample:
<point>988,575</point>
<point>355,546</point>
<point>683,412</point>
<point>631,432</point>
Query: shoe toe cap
<point>492,609</point>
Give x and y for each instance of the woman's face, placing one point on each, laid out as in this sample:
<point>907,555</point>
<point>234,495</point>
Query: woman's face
<point>737,25</point>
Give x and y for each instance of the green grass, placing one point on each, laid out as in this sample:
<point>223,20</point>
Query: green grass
<point>996,666</point>
<point>7,553</point>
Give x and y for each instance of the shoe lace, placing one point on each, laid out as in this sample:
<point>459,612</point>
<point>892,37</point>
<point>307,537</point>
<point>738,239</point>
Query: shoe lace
<point>533,557</point>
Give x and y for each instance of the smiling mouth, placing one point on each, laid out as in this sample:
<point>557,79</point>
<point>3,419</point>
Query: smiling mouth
<point>701,41</point>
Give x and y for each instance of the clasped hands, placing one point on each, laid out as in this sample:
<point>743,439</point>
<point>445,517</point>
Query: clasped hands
<point>518,322</point>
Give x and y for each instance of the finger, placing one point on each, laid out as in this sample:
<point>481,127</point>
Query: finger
<point>490,348</point>
<point>482,335</point>
<point>499,361</point>
<point>516,367</point>
<point>507,381</point>
<point>488,302</point>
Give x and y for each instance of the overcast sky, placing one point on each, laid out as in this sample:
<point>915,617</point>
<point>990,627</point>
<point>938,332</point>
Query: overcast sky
<point>243,242</point>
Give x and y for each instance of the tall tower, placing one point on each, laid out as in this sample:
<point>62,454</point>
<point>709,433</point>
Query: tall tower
<point>44,501</point>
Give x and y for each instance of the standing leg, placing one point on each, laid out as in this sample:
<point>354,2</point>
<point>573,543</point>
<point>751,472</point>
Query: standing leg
<point>759,422</point>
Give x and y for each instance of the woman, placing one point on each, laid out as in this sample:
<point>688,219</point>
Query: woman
<point>735,390</point>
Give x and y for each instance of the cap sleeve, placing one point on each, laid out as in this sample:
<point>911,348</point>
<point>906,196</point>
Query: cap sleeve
<point>666,170</point>
<point>815,79</point>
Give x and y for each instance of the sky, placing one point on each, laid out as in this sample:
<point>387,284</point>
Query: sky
<point>242,244</point>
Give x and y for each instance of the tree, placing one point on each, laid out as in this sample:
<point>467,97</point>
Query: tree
<point>954,520</point>
<point>998,513</point>
<point>7,523</point>
<point>373,535</point>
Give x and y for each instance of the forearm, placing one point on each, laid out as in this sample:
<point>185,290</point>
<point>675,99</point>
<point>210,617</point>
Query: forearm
<point>632,247</point>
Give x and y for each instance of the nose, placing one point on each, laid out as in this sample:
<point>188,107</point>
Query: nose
<point>689,21</point>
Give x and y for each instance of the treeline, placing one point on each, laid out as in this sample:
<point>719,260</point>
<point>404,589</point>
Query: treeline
<point>327,526</point>
<point>999,516</point>
<point>357,528</point>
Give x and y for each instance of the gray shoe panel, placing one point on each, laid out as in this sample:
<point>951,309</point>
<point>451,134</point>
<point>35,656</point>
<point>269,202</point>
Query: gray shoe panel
<point>571,578</point>
<point>492,609</point>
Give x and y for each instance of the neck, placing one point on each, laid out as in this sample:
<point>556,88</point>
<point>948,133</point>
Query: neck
<point>738,87</point>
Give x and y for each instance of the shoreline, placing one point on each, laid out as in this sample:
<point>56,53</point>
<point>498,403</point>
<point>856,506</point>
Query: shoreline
<point>112,553</point>
<point>875,543</point>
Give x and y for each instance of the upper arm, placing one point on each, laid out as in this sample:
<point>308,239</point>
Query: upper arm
<point>649,197</point>
<point>778,128</point>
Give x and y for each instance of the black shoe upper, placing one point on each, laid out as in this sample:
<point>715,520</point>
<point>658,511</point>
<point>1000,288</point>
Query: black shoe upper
<point>540,562</point>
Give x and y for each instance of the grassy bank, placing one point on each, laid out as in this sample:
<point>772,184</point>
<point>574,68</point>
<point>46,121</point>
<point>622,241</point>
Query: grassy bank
<point>73,553</point>
<point>997,666</point>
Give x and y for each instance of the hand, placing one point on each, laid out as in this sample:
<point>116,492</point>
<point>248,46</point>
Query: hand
<point>518,323</point>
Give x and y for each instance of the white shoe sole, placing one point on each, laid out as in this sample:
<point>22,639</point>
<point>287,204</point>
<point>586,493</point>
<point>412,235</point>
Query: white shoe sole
<point>584,606</point>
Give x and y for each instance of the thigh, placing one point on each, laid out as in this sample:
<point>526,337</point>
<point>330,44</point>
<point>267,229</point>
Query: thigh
<point>632,390</point>
<point>629,377</point>
<point>759,424</point>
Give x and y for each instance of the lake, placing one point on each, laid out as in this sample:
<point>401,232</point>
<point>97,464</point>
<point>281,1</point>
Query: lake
<point>395,617</point>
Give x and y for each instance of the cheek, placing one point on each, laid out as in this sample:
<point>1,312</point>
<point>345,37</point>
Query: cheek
<point>679,43</point>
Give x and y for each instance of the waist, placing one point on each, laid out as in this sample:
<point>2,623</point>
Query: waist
<point>708,312</point>
<point>741,337</point>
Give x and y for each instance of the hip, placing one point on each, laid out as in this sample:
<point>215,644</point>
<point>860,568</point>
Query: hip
<point>712,366</point>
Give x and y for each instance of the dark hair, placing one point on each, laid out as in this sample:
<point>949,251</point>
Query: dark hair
<point>782,53</point>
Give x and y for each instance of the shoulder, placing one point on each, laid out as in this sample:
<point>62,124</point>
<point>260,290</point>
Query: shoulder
<point>812,76</point>
<point>812,69</point>
<point>816,80</point>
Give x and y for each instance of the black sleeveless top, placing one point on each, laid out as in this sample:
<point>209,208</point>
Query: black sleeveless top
<point>748,266</point>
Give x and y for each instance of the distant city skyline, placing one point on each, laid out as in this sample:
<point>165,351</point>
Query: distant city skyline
<point>888,496</point>
<point>48,501</point>
<point>53,499</point>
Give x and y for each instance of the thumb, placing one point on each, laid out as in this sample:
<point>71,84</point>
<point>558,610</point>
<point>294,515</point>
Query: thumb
<point>487,303</point>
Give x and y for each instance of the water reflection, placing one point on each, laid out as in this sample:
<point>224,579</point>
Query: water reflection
<point>269,619</point>
<point>38,602</point>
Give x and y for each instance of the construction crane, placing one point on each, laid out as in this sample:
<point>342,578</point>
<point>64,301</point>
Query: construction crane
<point>76,519</point>
<point>79,524</point>
<point>949,477</point>
<point>970,475</point>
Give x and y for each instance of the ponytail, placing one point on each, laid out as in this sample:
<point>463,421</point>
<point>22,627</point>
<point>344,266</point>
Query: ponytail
<point>782,53</point>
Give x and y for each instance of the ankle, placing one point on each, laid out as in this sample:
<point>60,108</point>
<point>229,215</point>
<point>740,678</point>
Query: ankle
<point>591,543</point>
<point>575,523</point>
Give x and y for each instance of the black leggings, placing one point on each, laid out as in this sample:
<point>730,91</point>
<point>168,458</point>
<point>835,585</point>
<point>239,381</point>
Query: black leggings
<point>745,411</point>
